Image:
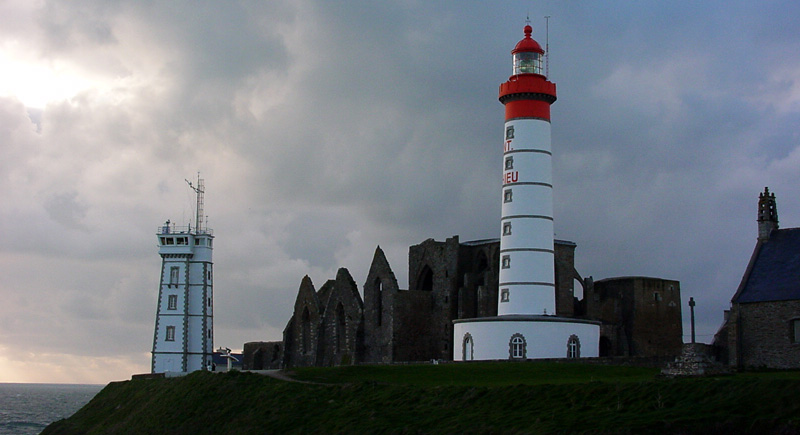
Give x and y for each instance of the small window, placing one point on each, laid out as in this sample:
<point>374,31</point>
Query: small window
<point>209,302</point>
<point>170,333</point>
<point>507,229</point>
<point>172,303</point>
<point>796,331</point>
<point>510,132</point>
<point>209,333</point>
<point>174,272</point>
<point>506,262</point>
<point>573,347</point>
<point>507,195</point>
<point>170,241</point>
<point>509,163</point>
<point>657,296</point>
<point>517,347</point>
<point>504,295</point>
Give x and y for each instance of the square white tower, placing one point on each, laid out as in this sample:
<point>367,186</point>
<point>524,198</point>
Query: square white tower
<point>183,339</point>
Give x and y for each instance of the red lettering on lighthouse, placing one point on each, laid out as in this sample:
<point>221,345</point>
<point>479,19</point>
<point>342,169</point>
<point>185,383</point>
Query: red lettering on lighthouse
<point>507,146</point>
<point>511,177</point>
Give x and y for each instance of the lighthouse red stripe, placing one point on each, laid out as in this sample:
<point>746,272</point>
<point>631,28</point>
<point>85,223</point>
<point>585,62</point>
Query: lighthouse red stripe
<point>527,109</point>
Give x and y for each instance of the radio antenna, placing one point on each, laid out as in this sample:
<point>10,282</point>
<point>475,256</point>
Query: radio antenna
<point>199,189</point>
<point>547,46</point>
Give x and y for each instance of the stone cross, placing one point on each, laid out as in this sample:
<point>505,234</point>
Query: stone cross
<point>691,307</point>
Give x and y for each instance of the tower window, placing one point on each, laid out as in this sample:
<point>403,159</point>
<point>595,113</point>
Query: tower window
<point>507,229</point>
<point>172,302</point>
<point>209,302</point>
<point>506,262</point>
<point>510,132</point>
<point>170,333</point>
<point>504,295</point>
<point>507,196</point>
<point>173,275</point>
<point>656,296</point>
<point>517,347</point>
<point>209,333</point>
<point>509,163</point>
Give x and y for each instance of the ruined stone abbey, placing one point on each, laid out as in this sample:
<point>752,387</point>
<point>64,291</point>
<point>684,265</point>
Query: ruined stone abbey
<point>451,280</point>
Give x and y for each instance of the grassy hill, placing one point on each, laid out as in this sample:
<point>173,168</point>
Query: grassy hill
<point>540,397</point>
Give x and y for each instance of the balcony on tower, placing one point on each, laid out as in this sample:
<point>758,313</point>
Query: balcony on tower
<point>183,240</point>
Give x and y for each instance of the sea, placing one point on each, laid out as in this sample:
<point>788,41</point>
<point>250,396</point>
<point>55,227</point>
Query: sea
<point>29,408</point>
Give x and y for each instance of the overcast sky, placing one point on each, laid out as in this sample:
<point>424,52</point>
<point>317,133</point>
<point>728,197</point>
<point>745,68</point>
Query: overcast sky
<point>323,129</point>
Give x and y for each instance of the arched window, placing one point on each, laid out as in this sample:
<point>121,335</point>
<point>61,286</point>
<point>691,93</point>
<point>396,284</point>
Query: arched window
<point>466,351</point>
<point>379,301</point>
<point>340,327</point>
<point>573,347</point>
<point>306,331</point>
<point>425,279</point>
<point>517,347</point>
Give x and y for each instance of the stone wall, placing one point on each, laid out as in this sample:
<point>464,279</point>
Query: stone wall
<point>764,335</point>
<point>380,292</point>
<point>262,355</point>
<point>641,316</point>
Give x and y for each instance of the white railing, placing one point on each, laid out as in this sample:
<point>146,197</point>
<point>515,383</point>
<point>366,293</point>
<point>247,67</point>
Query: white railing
<point>186,229</point>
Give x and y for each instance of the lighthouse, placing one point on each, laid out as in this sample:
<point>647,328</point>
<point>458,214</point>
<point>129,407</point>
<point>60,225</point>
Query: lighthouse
<point>526,325</point>
<point>183,339</point>
<point>527,277</point>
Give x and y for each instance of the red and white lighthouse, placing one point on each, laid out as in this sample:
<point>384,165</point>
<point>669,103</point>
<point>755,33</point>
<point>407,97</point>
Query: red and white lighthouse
<point>526,325</point>
<point>527,277</point>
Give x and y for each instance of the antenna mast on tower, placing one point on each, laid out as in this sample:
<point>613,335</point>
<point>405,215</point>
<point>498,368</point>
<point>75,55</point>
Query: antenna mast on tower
<point>199,190</point>
<point>547,46</point>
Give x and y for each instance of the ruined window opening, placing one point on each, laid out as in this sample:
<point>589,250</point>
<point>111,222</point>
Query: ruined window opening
<point>656,296</point>
<point>341,324</point>
<point>425,279</point>
<point>379,301</point>
<point>306,330</point>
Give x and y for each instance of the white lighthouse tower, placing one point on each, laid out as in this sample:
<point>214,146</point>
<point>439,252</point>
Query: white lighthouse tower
<point>527,276</point>
<point>183,340</point>
<point>526,326</point>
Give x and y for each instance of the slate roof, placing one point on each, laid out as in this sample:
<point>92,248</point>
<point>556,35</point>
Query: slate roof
<point>774,270</point>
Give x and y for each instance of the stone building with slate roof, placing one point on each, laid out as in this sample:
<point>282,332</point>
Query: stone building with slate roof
<point>762,328</point>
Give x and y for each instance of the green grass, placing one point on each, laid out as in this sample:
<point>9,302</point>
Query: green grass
<point>479,374</point>
<point>450,398</point>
